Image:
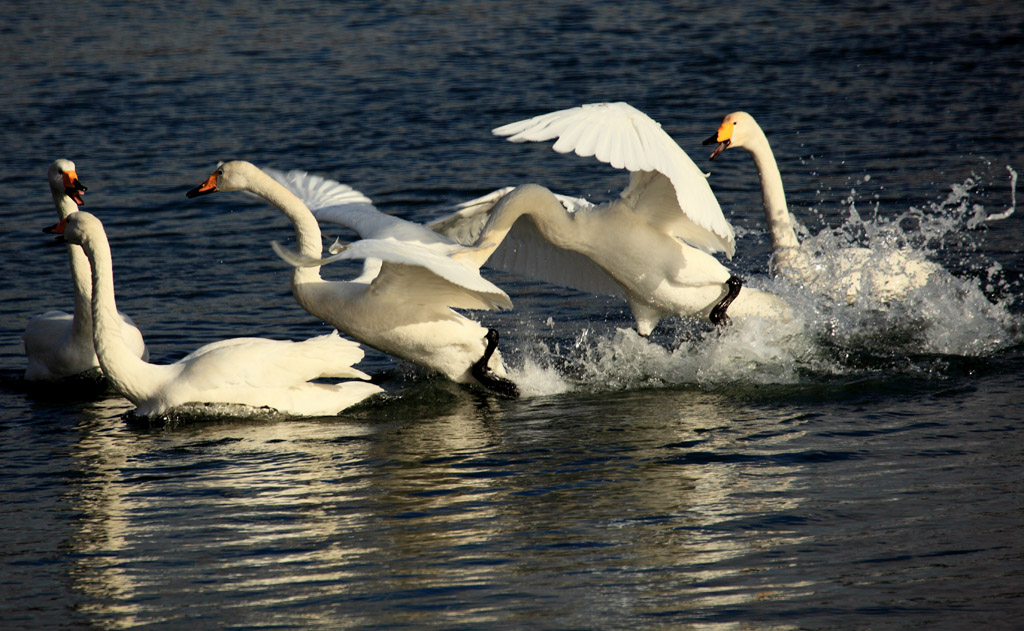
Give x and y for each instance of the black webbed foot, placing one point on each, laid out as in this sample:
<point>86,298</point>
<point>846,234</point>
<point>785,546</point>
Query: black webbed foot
<point>482,372</point>
<point>718,316</point>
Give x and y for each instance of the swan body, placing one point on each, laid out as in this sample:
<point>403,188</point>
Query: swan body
<point>846,274</point>
<point>254,372</point>
<point>59,344</point>
<point>403,302</point>
<point>651,246</point>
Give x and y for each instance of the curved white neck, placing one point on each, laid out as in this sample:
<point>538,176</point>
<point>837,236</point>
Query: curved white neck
<point>65,205</point>
<point>130,375</point>
<point>81,324</point>
<point>776,213</point>
<point>551,219</point>
<point>307,230</point>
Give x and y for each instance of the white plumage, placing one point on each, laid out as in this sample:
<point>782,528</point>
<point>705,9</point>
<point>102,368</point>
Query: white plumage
<point>653,245</point>
<point>59,344</point>
<point>624,137</point>
<point>255,372</point>
<point>402,303</point>
<point>842,275</point>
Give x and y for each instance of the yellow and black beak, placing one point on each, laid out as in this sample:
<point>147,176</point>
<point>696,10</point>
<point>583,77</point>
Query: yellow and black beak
<point>209,186</point>
<point>723,137</point>
<point>73,187</point>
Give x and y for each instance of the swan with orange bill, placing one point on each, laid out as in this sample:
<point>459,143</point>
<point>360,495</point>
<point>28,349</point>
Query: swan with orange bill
<point>58,344</point>
<point>252,372</point>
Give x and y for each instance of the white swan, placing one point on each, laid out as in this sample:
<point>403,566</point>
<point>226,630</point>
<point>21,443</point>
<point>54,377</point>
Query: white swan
<point>254,372</point>
<point>59,344</point>
<point>402,304</point>
<point>843,275</point>
<point>651,246</point>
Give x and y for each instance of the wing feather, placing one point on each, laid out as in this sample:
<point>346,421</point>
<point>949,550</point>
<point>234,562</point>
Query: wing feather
<point>261,362</point>
<point>422,275</point>
<point>524,250</point>
<point>466,221</point>
<point>621,135</point>
<point>337,203</point>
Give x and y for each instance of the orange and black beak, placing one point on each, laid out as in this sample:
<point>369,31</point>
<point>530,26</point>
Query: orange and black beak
<point>57,229</point>
<point>723,137</point>
<point>207,187</point>
<point>73,187</point>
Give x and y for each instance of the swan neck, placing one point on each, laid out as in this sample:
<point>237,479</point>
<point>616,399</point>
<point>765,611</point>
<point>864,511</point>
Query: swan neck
<point>307,231</point>
<point>535,201</point>
<point>773,195</point>
<point>81,280</point>
<point>122,367</point>
<point>65,205</point>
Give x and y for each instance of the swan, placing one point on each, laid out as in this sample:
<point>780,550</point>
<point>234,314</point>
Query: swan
<point>848,273</point>
<point>651,246</point>
<point>254,372</point>
<point>402,304</point>
<point>59,344</point>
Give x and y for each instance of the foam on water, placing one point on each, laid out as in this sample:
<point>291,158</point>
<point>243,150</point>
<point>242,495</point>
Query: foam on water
<point>949,231</point>
<point>750,351</point>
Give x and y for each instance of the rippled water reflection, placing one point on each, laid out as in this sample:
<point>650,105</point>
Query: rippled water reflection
<point>681,507</point>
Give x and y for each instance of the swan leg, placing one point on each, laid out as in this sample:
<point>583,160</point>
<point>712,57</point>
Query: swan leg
<point>482,372</point>
<point>718,316</point>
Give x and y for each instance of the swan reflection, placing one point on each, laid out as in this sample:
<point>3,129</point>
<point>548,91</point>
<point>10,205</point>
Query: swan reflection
<point>303,520</point>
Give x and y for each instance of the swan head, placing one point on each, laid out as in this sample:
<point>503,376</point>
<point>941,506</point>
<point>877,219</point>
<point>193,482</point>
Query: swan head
<point>737,130</point>
<point>79,227</point>
<point>64,182</point>
<point>229,176</point>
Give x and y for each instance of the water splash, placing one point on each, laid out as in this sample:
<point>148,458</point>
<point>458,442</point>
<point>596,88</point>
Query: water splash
<point>539,376</point>
<point>950,231</point>
<point>964,304</point>
<point>204,412</point>
<point>964,310</point>
<point>753,351</point>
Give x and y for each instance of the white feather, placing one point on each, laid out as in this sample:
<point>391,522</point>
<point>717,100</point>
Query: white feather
<point>630,139</point>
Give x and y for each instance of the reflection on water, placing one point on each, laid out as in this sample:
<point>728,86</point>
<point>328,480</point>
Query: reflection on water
<point>505,502</point>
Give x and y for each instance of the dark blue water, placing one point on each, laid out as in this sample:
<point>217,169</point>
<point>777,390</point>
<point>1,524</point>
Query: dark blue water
<point>864,473</point>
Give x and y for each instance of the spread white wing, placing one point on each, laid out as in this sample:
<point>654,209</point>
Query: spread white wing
<point>524,250</point>
<point>338,203</point>
<point>416,274</point>
<point>626,138</point>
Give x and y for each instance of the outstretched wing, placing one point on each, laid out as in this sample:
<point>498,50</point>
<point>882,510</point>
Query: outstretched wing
<point>420,275</point>
<point>524,250</point>
<point>339,203</point>
<point>626,138</point>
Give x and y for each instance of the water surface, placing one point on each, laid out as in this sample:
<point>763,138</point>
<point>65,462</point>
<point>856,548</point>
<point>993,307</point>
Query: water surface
<point>860,472</point>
